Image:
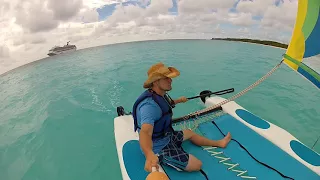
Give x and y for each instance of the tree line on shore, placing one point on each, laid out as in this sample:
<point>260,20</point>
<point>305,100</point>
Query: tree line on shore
<point>264,42</point>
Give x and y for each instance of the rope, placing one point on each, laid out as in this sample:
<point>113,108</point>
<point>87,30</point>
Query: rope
<point>197,113</point>
<point>234,167</point>
<point>315,143</point>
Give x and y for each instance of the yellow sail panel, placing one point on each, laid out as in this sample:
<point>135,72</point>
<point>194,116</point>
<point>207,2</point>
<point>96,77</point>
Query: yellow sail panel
<point>305,41</point>
<point>296,47</point>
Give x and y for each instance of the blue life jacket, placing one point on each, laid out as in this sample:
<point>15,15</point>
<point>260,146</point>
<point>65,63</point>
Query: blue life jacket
<point>163,125</point>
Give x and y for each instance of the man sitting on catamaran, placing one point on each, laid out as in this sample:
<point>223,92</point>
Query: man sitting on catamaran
<point>152,114</point>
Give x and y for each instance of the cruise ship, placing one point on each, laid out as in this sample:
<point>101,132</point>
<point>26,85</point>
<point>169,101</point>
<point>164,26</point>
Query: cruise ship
<point>59,50</point>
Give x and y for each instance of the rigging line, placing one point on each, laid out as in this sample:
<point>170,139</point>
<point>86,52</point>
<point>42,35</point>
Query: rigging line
<point>235,96</point>
<point>315,142</point>
<point>165,170</point>
<point>204,174</point>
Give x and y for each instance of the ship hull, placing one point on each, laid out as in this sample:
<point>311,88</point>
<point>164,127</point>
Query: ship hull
<point>61,52</point>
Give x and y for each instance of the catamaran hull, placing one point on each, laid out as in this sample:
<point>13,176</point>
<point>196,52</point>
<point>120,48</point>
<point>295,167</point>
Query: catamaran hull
<point>258,147</point>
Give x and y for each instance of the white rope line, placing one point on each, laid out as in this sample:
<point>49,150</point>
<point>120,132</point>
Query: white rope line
<point>240,172</point>
<point>248,177</point>
<point>231,166</point>
<point>235,96</point>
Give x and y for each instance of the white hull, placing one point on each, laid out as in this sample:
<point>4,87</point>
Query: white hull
<point>123,130</point>
<point>123,126</point>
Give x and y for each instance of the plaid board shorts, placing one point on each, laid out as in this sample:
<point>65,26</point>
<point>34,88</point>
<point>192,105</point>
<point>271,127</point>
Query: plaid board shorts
<point>173,154</point>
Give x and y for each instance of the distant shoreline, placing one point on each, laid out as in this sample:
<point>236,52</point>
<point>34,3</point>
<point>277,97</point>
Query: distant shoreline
<point>267,43</point>
<point>255,41</point>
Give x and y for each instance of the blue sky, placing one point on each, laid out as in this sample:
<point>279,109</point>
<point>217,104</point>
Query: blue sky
<point>107,10</point>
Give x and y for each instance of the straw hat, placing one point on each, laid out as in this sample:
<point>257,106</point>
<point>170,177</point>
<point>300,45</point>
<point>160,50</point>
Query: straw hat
<point>159,71</point>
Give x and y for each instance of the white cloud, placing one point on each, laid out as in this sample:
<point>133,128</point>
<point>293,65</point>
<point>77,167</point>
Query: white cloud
<point>30,28</point>
<point>92,4</point>
<point>29,39</point>
<point>274,18</point>
<point>4,8</point>
<point>203,6</point>
<point>256,7</point>
<point>126,25</point>
<point>34,16</point>
<point>88,15</point>
<point>4,51</point>
<point>158,7</point>
<point>39,15</point>
<point>241,19</point>
<point>145,2</point>
<point>281,17</point>
<point>243,30</point>
<point>125,14</point>
<point>64,9</point>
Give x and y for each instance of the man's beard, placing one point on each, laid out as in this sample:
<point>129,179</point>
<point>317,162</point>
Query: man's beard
<point>164,89</point>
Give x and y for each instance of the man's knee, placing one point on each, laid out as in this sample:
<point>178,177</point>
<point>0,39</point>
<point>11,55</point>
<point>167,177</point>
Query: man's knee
<point>194,164</point>
<point>195,167</point>
<point>198,165</point>
<point>190,131</point>
<point>187,134</point>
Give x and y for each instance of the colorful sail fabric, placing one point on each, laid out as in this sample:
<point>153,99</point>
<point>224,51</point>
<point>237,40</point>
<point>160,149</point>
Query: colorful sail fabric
<point>303,53</point>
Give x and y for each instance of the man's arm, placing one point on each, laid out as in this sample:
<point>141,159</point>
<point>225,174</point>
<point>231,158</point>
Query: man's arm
<point>145,139</point>
<point>146,146</point>
<point>150,112</point>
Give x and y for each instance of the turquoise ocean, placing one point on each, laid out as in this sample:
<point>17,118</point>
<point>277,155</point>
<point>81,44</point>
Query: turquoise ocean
<point>56,114</point>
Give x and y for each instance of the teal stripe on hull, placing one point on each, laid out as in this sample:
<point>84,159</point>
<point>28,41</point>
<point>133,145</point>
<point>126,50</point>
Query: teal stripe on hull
<point>260,148</point>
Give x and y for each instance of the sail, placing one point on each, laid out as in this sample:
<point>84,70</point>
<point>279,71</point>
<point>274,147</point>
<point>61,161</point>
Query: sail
<point>303,53</point>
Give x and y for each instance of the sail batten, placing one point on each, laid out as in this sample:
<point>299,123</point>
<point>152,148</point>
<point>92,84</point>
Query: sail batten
<point>305,41</point>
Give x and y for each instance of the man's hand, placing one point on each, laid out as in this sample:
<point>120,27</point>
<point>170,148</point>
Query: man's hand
<point>182,99</point>
<point>151,161</point>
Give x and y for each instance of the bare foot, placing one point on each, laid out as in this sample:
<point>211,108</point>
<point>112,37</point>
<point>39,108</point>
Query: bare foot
<point>224,142</point>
